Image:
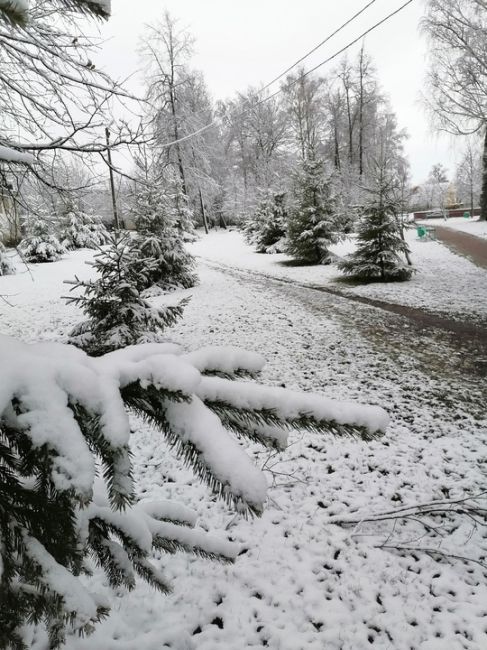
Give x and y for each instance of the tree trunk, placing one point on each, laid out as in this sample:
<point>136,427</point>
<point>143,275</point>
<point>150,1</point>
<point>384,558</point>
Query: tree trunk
<point>176,138</point>
<point>400,227</point>
<point>172,101</point>
<point>337,146</point>
<point>350,128</point>
<point>483,196</point>
<point>203,211</point>
<point>361,116</point>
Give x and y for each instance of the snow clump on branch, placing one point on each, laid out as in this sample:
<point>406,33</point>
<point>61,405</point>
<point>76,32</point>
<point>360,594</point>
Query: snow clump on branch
<point>64,414</point>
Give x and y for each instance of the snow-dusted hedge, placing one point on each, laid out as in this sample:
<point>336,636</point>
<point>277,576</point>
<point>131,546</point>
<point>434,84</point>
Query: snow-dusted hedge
<point>66,489</point>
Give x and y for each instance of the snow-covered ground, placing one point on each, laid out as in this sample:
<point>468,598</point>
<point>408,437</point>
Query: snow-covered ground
<point>440,274</point>
<point>303,583</point>
<point>472,225</point>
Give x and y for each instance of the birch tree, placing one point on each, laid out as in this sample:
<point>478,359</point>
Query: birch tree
<point>53,97</point>
<point>181,111</point>
<point>469,175</point>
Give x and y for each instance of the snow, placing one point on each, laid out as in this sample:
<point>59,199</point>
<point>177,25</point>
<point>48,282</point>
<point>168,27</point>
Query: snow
<point>162,510</point>
<point>290,405</point>
<point>60,581</point>
<point>196,424</point>
<point>225,359</point>
<point>7,153</point>
<point>440,274</point>
<point>303,583</point>
<point>194,539</point>
<point>161,370</point>
<point>134,525</point>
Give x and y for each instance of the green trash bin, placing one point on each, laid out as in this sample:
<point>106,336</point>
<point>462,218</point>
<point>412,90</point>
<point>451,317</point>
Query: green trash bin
<point>466,214</point>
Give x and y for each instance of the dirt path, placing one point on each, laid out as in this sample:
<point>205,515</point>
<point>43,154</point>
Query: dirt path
<point>475,248</point>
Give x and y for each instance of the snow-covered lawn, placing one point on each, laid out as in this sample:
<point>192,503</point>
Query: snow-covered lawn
<point>35,309</point>
<point>303,583</point>
<point>445,283</point>
<point>471,226</point>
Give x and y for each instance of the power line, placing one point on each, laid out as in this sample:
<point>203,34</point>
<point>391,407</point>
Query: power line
<point>305,56</point>
<point>334,56</point>
<point>305,74</point>
<point>317,47</point>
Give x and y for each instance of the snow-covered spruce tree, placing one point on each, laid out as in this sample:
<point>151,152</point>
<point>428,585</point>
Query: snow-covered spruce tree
<point>82,230</point>
<point>66,493</point>
<point>6,265</point>
<point>381,250</point>
<point>40,244</point>
<point>159,239</point>
<point>117,313</point>
<point>312,226</point>
<point>266,228</point>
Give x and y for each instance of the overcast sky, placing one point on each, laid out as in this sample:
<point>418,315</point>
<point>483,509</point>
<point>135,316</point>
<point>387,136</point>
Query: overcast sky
<point>249,42</point>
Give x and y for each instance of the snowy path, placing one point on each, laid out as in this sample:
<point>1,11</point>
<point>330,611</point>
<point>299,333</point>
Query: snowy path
<point>472,226</point>
<point>304,584</point>
<point>446,285</point>
<point>420,317</point>
<point>469,245</point>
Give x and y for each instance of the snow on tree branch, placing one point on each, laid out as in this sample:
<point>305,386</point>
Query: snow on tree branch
<point>12,155</point>
<point>289,406</point>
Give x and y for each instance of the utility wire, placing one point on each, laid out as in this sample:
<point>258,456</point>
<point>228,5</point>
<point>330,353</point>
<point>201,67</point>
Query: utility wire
<point>334,56</point>
<point>317,47</point>
<point>305,74</point>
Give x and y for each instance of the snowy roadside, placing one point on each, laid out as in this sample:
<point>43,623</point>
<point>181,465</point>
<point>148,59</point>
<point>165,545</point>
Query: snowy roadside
<point>304,584</point>
<point>471,226</point>
<point>445,283</point>
<point>36,310</point>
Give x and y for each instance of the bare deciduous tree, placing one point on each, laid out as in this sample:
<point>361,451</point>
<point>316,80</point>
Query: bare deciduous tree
<point>53,99</point>
<point>457,80</point>
<point>469,175</point>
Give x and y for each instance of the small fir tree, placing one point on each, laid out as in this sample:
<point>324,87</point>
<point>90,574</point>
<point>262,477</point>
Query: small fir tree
<point>159,239</point>
<point>381,250</point>
<point>40,243</point>
<point>266,228</point>
<point>312,225</point>
<point>6,265</point>
<point>81,230</point>
<point>118,315</point>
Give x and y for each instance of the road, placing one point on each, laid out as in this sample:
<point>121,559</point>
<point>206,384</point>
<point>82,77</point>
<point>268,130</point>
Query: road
<point>475,248</point>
